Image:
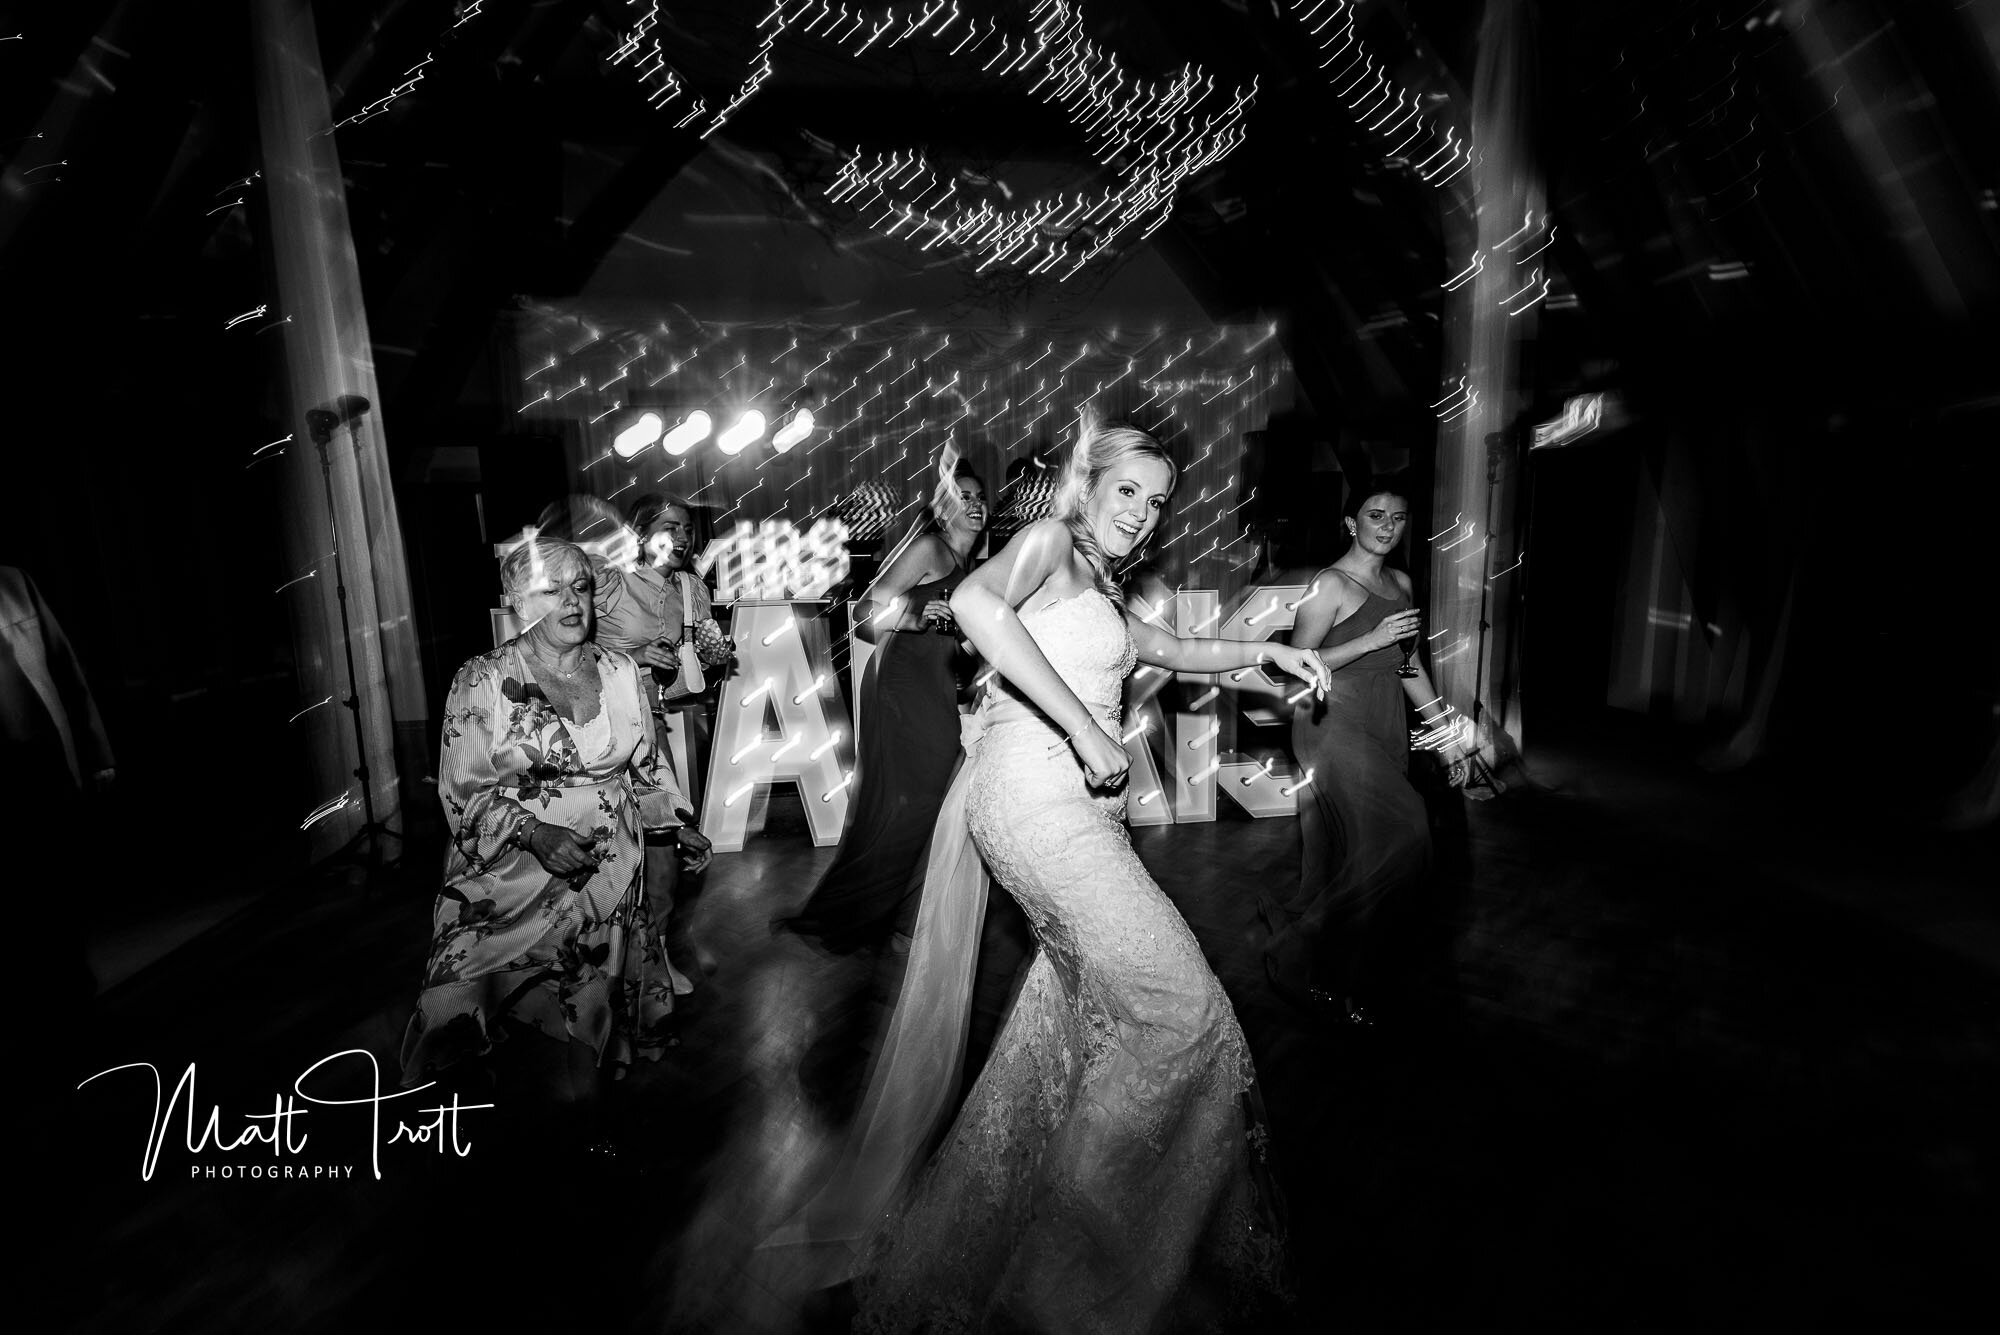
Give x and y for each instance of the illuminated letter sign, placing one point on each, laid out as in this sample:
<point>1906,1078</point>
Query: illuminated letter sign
<point>859,651</point>
<point>1199,737</point>
<point>1147,800</point>
<point>773,560</point>
<point>784,673</point>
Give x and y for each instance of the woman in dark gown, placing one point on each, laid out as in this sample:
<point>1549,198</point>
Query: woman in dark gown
<point>1363,831</point>
<point>908,726</point>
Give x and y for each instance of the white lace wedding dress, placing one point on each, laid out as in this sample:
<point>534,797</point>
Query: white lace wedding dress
<point>1105,1173</point>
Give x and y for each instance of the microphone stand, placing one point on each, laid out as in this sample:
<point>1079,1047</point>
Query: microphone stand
<point>321,424</point>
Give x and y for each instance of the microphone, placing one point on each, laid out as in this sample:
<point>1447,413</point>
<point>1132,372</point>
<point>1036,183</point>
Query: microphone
<point>324,419</point>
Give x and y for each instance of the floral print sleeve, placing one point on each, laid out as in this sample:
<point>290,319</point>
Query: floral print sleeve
<point>481,817</point>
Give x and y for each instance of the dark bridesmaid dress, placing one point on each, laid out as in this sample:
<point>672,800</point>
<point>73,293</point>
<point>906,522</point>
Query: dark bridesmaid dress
<point>908,747</point>
<point>1363,830</point>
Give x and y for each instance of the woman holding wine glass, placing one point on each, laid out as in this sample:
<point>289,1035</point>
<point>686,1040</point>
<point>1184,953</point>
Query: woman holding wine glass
<point>1363,830</point>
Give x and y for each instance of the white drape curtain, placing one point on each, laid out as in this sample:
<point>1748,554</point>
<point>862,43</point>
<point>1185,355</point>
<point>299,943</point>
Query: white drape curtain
<point>318,298</point>
<point>1474,499</point>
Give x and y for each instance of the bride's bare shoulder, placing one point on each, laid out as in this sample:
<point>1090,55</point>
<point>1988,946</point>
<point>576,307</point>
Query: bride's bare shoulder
<point>1050,536</point>
<point>1041,563</point>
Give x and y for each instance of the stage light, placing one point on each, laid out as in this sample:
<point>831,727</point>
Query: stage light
<point>746,430</point>
<point>794,431</point>
<point>637,437</point>
<point>692,431</point>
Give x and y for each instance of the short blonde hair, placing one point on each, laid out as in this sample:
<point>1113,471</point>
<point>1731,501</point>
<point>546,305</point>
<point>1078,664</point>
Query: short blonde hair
<point>534,556</point>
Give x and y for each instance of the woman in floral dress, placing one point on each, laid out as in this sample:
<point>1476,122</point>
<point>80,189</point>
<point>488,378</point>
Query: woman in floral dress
<point>548,776</point>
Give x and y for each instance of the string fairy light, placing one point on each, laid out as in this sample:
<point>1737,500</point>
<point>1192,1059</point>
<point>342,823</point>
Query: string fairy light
<point>1150,135</point>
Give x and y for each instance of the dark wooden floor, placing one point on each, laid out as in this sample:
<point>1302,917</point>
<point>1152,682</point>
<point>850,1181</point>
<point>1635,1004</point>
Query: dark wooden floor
<point>1683,1053</point>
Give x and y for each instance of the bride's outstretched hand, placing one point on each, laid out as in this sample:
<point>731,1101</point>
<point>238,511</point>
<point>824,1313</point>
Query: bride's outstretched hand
<point>1104,760</point>
<point>1305,664</point>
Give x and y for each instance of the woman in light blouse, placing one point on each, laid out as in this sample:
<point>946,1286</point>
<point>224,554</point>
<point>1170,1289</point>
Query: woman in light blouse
<point>548,776</point>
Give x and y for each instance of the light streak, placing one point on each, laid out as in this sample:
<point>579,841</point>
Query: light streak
<point>1464,276</point>
<point>1196,704</point>
<point>758,693</point>
<point>784,626</point>
<point>730,800</point>
<point>1539,249</point>
<point>1270,608</point>
<point>845,779</point>
<point>1263,772</point>
<point>737,759</point>
<point>813,689</point>
<point>325,809</point>
<point>308,709</point>
<point>825,746</point>
<point>411,78</point>
<point>1295,788</point>
<point>1539,296</point>
<point>1527,225</point>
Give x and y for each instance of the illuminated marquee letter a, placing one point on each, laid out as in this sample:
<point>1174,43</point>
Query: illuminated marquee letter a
<point>784,670</point>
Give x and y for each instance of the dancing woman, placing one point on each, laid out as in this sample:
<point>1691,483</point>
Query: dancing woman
<point>1101,1173</point>
<point>548,777</point>
<point>909,700</point>
<point>1363,832</point>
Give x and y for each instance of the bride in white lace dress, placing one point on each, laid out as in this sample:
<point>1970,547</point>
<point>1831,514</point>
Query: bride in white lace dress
<point>1102,1175</point>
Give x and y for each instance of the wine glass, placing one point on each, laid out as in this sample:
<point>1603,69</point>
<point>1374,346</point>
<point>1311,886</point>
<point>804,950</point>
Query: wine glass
<point>1408,644</point>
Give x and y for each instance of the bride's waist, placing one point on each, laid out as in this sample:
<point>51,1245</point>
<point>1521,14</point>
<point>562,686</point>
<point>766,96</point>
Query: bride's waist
<point>1007,711</point>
